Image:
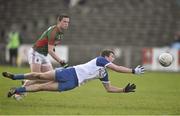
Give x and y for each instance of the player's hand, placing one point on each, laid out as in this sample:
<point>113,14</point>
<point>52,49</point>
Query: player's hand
<point>138,70</point>
<point>129,88</point>
<point>64,64</point>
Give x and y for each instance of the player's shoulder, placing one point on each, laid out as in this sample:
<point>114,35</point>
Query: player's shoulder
<point>101,61</point>
<point>52,30</point>
<point>100,58</point>
<point>52,26</point>
<point>96,60</point>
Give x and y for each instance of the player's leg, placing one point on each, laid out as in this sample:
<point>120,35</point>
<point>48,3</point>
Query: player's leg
<point>31,82</point>
<point>35,67</point>
<point>43,65</point>
<point>38,63</point>
<point>35,62</point>
<point>46,67</point>
<point>65,80</point>
<point>49,86</point>
<point>50,75</point>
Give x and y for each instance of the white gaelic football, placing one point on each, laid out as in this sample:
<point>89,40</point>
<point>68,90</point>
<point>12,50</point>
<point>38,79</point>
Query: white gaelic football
<point>165,59</point>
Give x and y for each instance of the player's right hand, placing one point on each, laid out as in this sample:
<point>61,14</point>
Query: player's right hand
<point>129,88</point>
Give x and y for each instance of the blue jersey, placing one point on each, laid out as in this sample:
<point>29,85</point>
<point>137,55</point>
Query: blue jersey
<point>94,69</point>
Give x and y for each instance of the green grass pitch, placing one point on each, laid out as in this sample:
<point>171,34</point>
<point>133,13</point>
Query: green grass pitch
<point>157,93</point>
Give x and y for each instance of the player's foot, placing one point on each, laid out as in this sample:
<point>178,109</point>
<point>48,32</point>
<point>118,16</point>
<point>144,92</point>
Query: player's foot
<point>11,92</point>
<point>8,75</point>
<point>22,82</point>
<point>22,94</point>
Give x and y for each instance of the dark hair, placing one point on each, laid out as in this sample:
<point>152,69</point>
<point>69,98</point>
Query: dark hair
<point>60,17</point>
<point>106,53</point>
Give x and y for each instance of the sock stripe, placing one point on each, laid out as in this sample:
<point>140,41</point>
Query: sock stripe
<point>18,76</point>
<point>20,90</point>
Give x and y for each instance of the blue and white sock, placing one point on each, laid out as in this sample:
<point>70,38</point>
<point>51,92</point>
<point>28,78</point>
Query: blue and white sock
<point>20,90</point>
<point>18,76</point>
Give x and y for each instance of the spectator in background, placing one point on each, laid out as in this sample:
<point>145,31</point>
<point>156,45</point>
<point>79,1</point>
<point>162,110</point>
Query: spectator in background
<point>176,43</point>
<point>13,45</point>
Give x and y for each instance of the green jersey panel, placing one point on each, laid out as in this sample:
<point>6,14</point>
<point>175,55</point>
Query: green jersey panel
<point>51,36</point>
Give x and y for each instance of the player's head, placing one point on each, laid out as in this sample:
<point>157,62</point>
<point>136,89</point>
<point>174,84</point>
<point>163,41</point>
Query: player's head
<point>63,21</point>
<point>108,54</point>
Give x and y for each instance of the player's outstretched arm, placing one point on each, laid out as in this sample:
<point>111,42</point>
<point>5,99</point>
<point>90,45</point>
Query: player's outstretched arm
<point>112,89</point>
<point>138,70</point>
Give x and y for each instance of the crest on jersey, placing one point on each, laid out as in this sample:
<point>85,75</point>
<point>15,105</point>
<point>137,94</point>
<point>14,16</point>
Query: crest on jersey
<point>102,73</point>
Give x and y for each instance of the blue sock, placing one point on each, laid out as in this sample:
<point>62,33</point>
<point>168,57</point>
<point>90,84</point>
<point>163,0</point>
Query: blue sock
<point>18,77</point>
<point>20,90</point>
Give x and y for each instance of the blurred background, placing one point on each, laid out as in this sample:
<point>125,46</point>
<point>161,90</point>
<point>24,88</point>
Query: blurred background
<point>132,28</point>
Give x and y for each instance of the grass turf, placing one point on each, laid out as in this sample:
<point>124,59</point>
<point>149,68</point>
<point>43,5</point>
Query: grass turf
<point>157,93</point>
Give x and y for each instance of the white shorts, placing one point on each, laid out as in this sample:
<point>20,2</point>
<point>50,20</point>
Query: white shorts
<point>37,58</point>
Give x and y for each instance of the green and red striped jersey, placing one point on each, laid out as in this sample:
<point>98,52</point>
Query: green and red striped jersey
<point>51,36</point>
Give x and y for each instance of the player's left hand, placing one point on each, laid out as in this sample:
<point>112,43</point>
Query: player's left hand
<point>129,88</point>
<point>138,70</point>
<point>64,64</point>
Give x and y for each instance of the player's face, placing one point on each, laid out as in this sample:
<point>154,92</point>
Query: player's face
<point>64,23</point>
<point>111,57</point>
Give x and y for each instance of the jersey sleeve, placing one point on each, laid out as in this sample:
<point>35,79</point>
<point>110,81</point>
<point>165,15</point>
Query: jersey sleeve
<point>101,61</point>
<point>105,78</point>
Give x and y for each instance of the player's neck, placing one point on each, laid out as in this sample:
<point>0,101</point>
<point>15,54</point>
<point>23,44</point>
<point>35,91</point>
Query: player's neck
<point>60,29</point>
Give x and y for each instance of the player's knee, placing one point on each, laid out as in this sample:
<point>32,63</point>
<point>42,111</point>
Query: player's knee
<point>42,76</point>
<point>37,75</point>
<point>26,83</point>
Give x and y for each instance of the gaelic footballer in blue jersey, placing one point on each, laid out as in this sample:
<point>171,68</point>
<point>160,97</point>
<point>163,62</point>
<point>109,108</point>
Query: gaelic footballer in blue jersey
<point>72,77</point>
